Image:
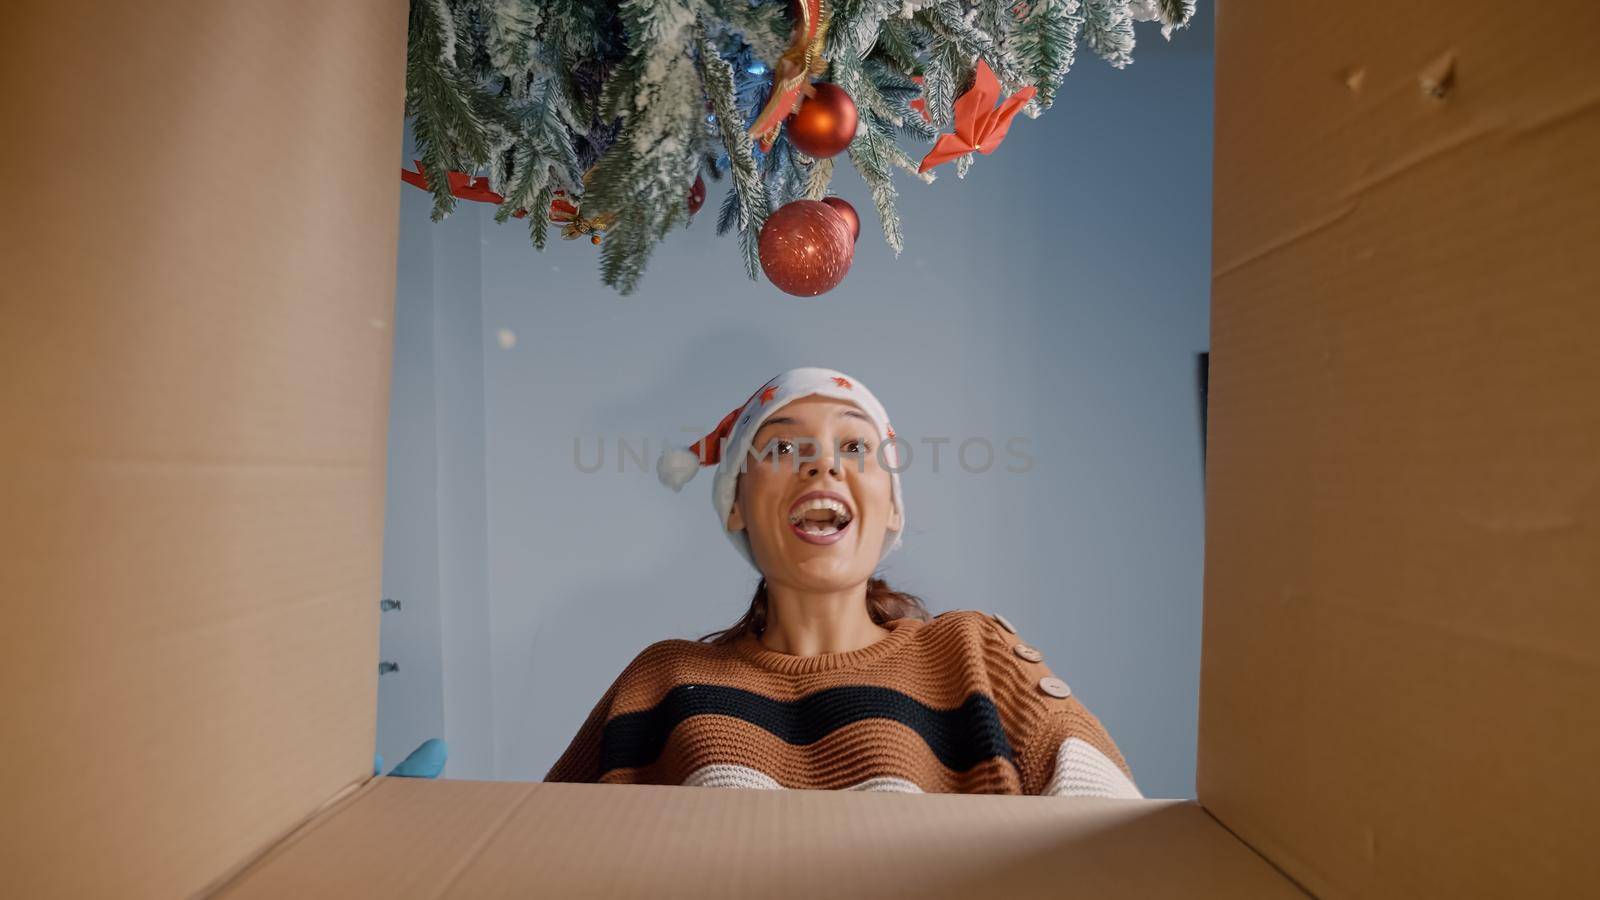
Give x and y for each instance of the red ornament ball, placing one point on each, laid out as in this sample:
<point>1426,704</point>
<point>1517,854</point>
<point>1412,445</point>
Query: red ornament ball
<point>806,248</point>
<point>697,195</point>
<point>825,123</point>
<point>843,208</point>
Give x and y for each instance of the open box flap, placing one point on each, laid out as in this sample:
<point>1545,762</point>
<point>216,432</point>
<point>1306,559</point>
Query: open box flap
<point>194,362</point>
<point>409,838</point>
<point>1403,535</point>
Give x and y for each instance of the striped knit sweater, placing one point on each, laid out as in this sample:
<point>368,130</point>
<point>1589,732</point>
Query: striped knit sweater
<point>956,705</point>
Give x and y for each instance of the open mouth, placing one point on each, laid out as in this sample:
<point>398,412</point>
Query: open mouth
<point>820,517</point>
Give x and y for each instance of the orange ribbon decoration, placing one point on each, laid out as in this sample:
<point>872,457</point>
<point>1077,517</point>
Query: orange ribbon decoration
<point>980,124</point>
<point>563,211</point>
<point>791,76</point>
<point>461,185</point>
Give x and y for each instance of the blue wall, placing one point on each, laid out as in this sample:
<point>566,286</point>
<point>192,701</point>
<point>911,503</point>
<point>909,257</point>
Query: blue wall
<point>1058,293</point>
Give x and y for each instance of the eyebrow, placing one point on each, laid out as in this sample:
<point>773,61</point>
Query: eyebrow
<point>789,420</point>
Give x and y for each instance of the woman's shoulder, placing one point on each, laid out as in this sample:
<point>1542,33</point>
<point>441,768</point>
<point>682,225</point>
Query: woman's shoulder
<point>973,620</point>
<point>658,668</point>
<point>981,633</point>
<point>674,654</point>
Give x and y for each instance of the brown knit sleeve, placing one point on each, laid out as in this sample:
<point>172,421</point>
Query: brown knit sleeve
<point>581,761</point>
<point>1040,724</point>
<point>1059,766</point>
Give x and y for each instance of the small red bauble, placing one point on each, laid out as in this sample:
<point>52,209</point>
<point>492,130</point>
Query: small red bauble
<point>806,248</point>
<point>697,195</point>
<point>825,123</point>
<point>844,209</point>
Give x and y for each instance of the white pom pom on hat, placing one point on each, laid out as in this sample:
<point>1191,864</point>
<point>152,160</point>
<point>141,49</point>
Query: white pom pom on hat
<point>677,466</point>
<point>726,444</point>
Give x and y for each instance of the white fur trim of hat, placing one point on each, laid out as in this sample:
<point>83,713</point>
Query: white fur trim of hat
<point>726,445</point>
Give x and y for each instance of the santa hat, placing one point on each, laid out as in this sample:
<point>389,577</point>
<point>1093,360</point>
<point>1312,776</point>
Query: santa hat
<point>725,446</point>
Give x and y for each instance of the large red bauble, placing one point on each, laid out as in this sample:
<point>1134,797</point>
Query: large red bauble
<point>806,248</point>
<point>843,208</point>
<point>825,123</point>
<point>697,195</point>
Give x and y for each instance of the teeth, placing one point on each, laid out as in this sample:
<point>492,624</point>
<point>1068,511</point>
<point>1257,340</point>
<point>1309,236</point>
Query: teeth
<point>840,512</point>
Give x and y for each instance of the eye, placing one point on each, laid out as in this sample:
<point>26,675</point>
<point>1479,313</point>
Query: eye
<point>855,447</point>
<point>783,447</point>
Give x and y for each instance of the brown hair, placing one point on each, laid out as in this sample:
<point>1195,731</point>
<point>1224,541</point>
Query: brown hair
<point>884,604</point>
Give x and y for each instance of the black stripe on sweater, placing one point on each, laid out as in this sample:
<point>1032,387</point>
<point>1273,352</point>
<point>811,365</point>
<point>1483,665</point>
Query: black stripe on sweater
<point>961,737</point>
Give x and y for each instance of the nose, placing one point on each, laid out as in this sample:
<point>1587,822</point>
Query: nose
<point>814,468</point>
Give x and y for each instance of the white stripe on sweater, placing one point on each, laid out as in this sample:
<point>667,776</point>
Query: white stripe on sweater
<point>1081,771</point>
<point>735,776</point>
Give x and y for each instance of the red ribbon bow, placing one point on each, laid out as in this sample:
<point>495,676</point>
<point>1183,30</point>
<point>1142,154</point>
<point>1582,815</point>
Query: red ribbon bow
<point>980,124</point>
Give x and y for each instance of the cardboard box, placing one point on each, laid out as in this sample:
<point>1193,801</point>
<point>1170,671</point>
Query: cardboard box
<point>1400,664</point>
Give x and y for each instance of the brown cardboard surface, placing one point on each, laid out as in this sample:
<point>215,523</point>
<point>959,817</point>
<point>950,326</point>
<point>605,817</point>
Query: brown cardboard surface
<point>409,838</point>
<point>1403,537</point>
<point>194,344</point>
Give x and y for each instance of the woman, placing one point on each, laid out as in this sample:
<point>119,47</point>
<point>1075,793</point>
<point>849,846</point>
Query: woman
<point>832,680</point>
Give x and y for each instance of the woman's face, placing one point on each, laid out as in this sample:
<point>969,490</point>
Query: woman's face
<point>814,500</point>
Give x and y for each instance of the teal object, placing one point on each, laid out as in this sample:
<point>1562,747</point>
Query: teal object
<point>427,761</point>
<point>377,763</point>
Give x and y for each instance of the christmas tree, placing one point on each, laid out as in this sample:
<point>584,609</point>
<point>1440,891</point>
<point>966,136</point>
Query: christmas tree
<point>612,109</point>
